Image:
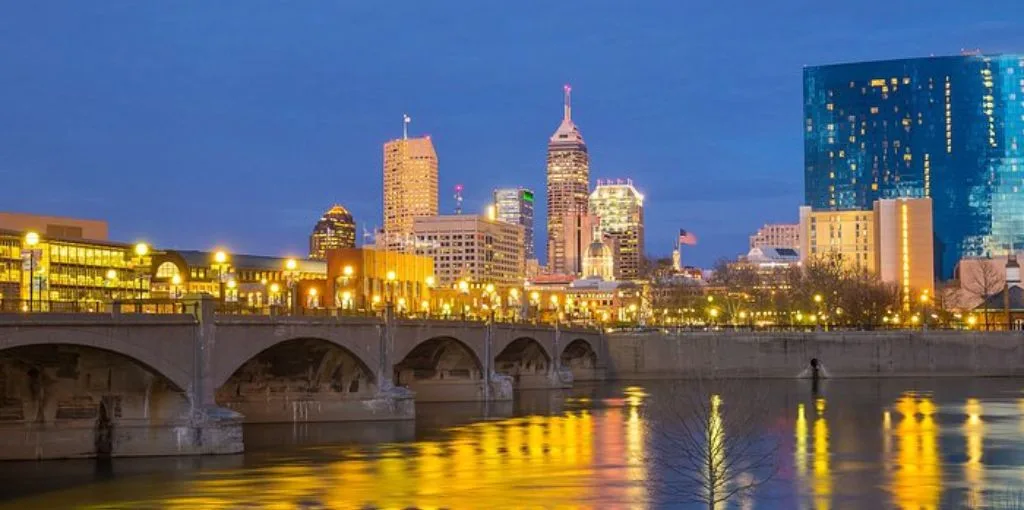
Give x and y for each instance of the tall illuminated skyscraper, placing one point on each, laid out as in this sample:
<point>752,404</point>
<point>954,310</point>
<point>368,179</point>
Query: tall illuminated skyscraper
<point>515,206</point>
<point>336,229</point>
<point>950,128</point>
<point>410,188</point>
<point>568,183</point>
<point>619,208</point>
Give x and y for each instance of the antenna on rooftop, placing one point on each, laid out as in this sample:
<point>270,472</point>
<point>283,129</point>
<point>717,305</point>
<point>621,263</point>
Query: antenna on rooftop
<point>458,199</point>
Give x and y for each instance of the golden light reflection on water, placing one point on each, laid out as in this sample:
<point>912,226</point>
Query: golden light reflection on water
<point>819,477</point>
<point>576,460</point>
<point>974,471</point>
<point>917,477</point>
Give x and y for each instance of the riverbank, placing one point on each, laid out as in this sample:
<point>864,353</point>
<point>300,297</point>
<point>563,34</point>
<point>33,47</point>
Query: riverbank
<point>659,355</point>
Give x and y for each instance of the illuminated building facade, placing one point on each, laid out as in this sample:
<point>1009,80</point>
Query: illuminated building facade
<point>619,208</point>
<point>472,248</point>
<point>949,128</point>
<point>568,186</point>
<point>72,270</point>
<point>357,279</point>
<point>247,280</point>
<point>336,229</point>
<point>410,187</point>
<point>777,235</point>
<point>515,206</point>
<point>893,240</point>
<point>599,262</point>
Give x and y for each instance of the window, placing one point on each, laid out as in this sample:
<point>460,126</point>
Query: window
<point>167,270</point>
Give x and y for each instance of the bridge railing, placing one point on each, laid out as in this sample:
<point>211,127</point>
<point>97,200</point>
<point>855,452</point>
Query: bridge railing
<point>139,306</point>
<point>810,328</point>
<point>244,309</point>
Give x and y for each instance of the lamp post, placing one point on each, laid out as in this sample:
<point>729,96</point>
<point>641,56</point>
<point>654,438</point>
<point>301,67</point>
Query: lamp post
<point>290,267</point>
<point>31,240</point>
<point>431,281</point>
<point>464,291</point>
<point>220,260</point>
<point>535,302</point>
<point>817,301</point>
<point>924,311</point>
<point>111,278</point>
<point>141,250</point>
<point>275,288</point>
<point>175,286</point>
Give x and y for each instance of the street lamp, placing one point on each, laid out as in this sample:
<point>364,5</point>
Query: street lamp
<point>141,250</point>
<point>175,283</point>
<point>290,267</point>
<point>111,278</point>
<point>31,240</point>
<point>232,284</point>
<point>312,298</point>
<point>389,278</point>
<point>464,289</point>
<point>220,260</point>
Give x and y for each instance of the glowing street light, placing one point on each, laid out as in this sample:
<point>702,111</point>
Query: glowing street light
<point>31,240</point>
<point>347,271</point>
<point>431,281</point>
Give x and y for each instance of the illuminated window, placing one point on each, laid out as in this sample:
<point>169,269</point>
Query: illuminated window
<point>874,110</point>
<point>167,270</point>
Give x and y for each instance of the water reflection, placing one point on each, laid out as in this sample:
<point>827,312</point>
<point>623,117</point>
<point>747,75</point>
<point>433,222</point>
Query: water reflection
<point>872,444</point>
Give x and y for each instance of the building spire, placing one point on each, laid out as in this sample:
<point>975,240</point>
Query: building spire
<point>568,102</point>
<point>405,126</point>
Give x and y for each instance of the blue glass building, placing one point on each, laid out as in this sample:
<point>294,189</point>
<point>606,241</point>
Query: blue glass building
<point>950,128</point>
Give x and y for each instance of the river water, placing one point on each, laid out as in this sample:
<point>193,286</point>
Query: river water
<point>895,443</point>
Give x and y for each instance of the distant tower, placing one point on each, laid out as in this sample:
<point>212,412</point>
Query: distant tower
<point>458,199</point>
<point>336,229</point>
<point>410,185</point>
<point>568,184</point>
<point>515,205</point>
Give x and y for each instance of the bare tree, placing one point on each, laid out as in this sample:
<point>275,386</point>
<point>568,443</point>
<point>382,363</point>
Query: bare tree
<point>710,443</point>
<point>982,282</point>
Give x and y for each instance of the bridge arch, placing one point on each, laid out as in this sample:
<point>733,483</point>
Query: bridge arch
<point>523,353</point>
<point>237,347</point>
<point>439,357</point>
<point>76,382</point>
<point>297,367</point>
<point>150,356</point>
<point>579,353</point>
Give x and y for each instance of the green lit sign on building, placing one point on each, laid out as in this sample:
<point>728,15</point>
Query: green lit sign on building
<point>528,196</point>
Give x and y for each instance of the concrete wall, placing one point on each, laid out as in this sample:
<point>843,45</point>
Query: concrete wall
<point>844,354</point>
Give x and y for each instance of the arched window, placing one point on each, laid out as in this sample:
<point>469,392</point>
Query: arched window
<point>167,270</point>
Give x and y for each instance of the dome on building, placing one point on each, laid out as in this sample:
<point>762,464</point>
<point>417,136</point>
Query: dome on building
<point>599,262</point>
<point>335,229</point>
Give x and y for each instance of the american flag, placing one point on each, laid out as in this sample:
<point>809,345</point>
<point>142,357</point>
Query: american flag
<point>687,238</point>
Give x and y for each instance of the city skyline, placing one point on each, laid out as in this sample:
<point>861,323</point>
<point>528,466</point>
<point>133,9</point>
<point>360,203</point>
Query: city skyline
<point>162,125</point>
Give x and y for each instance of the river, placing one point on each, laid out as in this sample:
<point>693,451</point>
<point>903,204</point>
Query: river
<point>892,443</point>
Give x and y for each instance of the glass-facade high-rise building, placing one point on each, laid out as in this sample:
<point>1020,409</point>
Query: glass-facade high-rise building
<point>568,187</point>
<point>515,206</point>
<point>950,128</point>
<point>619,208</point>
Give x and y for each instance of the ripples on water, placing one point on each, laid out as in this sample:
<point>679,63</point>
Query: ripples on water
<point>907,444</point>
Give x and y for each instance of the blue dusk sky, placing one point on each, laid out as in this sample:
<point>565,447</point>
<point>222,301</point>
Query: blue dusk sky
<point>193,124</point>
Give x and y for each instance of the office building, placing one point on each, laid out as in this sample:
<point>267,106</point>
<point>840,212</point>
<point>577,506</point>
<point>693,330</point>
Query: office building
<point>336,229</point>
<point>246,280</point>
<point>577,235</point>
<point>515,206</point>
<point>472,248</point>
<point>892,240</point>
<point>950,128</point>
<point>619,208</point>
<point>43,271</point>
<point>410,188</point>
<point>776,235</point>
<point>357,279</point>
<point>568,185</point>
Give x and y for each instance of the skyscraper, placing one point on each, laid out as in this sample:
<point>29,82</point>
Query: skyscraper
<point>515,206</point>
<point>336,229</point>
<point>410,188</point>
<point>949,128</point>
<point>568,183</point>
<point>619,208</point>
<point>776,235</point>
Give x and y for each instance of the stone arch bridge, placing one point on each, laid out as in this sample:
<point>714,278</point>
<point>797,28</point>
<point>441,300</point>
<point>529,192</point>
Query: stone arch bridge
<point>111,384</point>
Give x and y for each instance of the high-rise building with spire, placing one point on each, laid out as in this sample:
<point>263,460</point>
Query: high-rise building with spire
<point>410,187</point>
<point>568,184</point>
